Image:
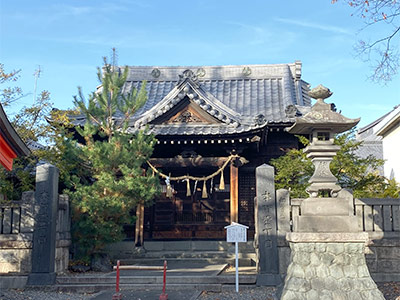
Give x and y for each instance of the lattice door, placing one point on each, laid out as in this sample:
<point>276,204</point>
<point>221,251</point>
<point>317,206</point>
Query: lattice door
<point>247,192</point>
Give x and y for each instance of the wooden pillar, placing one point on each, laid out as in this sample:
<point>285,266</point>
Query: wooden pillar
<point>234,193</point>
<point>139,224</point>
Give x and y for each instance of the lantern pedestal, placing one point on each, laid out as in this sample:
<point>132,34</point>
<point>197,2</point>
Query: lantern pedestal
<point>328,266</point>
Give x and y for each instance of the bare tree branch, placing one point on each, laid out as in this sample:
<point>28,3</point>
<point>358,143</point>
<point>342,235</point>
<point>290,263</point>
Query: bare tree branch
<point>383,52</point>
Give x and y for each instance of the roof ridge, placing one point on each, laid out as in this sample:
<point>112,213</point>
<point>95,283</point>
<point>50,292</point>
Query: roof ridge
<point>208,66</point>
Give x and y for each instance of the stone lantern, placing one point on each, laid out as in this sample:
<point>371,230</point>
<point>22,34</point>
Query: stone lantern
<point>324,210</point>
<point>327,248</point>
<point>322,123</point>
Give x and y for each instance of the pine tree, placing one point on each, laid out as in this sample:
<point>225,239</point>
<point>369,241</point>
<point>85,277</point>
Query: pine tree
<point>115,160</point>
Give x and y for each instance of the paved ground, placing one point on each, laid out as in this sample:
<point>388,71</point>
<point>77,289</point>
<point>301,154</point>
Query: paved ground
<point>150,295</point>
<point>176,268</point>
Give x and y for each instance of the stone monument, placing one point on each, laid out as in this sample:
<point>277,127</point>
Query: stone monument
<point>265,224</point>
<point>44,236</point>
<point>327,250</point>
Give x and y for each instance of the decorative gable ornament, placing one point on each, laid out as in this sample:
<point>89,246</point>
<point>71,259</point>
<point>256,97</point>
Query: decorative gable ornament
<point>188,87</point>
<point>186,117</point>
<point>188,74</point>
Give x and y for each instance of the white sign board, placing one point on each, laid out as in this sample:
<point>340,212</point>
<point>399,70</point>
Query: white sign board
<point>236,233</point>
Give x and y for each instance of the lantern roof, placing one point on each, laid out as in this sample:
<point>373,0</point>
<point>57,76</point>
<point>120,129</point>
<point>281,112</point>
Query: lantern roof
<point>323,116</point>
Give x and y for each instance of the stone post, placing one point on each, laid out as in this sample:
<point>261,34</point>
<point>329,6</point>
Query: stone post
<point>266,239</point>
<point>44,236</point>
<point>27,211</point>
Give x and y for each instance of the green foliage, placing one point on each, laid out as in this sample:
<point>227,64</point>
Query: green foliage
<point>114,161</point>
<point>9,95</point>
<point>31,125</point>
<point>20,179</point>
<point>294,169</point>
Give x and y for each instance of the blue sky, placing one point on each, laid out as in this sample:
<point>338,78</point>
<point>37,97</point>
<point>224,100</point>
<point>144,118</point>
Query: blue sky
<point>69,38</point>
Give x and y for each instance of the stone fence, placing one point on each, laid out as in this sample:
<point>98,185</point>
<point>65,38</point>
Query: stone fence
<point>17,222</point>
<point>380,218</point>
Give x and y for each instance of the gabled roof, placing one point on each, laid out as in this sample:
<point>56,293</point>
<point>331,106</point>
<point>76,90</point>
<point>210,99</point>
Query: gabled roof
<point>389,121</point>
<point>189,87</point>
<point>381,125</point>
<point>240,98</point>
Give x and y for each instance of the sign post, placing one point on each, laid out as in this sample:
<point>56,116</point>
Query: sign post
<point>236,233</point>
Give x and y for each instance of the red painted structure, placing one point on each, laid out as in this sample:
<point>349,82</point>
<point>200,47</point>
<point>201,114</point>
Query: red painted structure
<point>163,295</point>
<point>11,145</point>
<point>117,295</point>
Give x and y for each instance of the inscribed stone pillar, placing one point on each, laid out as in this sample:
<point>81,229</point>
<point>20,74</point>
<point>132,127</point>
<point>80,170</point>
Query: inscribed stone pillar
<point>266,239</point>
<point>44,235</point>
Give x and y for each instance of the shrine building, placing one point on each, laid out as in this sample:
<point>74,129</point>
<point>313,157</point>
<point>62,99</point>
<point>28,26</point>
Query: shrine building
<point>11,145</point>
<point>214,125</point>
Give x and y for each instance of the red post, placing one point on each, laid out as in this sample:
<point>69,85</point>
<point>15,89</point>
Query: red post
<point>117,295</point>
<point>164,296</point>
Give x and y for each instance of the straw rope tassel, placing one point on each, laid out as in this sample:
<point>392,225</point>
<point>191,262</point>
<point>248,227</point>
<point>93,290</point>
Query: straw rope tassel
<point>169,192</point>
<point>204,192</point>
<point>188,193</point>
<point>221,182</point>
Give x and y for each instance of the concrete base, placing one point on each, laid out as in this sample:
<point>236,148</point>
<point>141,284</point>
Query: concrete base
<point>326,224</point>
<point>328,266</point>
<point>41,278</point>
<point>13,282</point>
<point>268,279</point>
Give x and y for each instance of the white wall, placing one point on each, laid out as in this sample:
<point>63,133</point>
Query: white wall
<point>391,153</point>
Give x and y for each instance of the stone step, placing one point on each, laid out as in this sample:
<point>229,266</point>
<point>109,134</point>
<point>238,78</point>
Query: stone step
<point>195,254</point>
<point>195,246</point>
<point>211,258</point>
<point>243,261</point>
<point>93,288</point>
<point>126,249</point>
<point>153,280</point>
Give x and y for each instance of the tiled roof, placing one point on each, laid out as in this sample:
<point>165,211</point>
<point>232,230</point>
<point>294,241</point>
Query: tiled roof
<point>374,148</point>
<point>240,92</point>
<point>242,98</point>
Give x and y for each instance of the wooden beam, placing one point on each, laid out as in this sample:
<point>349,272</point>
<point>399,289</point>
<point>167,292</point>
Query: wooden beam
<point>138,268</point>
<point>234,193</point>
<point>179,161</point>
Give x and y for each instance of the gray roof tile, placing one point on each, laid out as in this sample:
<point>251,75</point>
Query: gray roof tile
<point>233,94</point>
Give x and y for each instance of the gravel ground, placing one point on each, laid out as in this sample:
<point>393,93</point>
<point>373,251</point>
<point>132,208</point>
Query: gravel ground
<point>391,291</point>
<point>257,293</point>
<point>35,294</point>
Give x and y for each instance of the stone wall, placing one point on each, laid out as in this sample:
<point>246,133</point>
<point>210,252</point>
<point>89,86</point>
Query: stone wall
<point>16,235</point>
